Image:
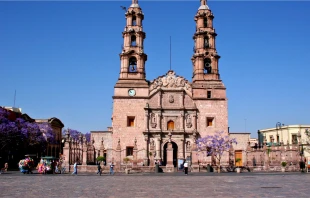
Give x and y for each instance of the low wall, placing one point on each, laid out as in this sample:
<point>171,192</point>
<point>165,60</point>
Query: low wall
<point>147,169</point>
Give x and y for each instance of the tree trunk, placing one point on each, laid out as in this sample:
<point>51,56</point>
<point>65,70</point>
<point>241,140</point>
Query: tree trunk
<point>219,166</point>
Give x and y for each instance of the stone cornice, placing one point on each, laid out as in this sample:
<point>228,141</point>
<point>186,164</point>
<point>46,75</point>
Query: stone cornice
<point>130,97</point>
<point>204,98</point>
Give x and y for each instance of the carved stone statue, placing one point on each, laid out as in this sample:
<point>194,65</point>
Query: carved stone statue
<point>188,121</point>
<point>153,120</point>
<point>152,144</point>
<point>171,99</point>
<point>188,146</point>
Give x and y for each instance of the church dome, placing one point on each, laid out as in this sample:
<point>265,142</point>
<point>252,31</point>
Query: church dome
<point>134,5</point>
<point>203,7</point>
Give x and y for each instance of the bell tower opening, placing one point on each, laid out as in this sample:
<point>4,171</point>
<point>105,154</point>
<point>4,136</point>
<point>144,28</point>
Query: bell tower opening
<point>133,41</point>
<point>134,20</point>
<point>205,22</point>
<point>132,65</point>
<point>207,66</point>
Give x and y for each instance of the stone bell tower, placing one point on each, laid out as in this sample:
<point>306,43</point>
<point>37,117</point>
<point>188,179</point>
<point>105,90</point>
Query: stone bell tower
<point>133,58</point>
<point>131,91</point>
<point>209,92</point>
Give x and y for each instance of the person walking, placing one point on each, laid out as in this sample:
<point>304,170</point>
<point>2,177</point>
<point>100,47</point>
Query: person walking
<point>99,169</point>
<point>75,169</point>
<point>186,168</point>
<point>111,168</point>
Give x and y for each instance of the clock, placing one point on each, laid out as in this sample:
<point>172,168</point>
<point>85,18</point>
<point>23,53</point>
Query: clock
<point>131,92</point>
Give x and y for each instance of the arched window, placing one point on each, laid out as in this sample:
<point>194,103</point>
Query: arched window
<point>205,22</point>
<point>133,64</point>
<point>133,40</point>
<point>206,42</point>
<point>134,20</point>
<point>207,66</point>
<point>170,125</point>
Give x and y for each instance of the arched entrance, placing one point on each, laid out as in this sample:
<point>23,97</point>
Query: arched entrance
<point>175,154</point>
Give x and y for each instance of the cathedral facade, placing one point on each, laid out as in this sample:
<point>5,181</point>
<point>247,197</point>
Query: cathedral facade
<point>161,119</point>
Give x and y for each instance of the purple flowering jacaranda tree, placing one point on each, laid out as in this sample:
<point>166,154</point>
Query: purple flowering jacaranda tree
<point>47,132</point>
<point>75,134</point>
<point>10,135</point>
<point>215,145</point>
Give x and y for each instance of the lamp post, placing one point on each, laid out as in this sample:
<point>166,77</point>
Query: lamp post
<point>301,152</point>
<point>279,126</point>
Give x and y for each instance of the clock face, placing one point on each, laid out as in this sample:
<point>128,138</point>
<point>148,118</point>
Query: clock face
<point>131,92</point>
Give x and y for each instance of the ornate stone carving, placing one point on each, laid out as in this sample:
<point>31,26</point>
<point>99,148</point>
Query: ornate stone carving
<point>152,144</point>
<point>153,120</point>
<point>171,98</point>
<point>188,121</point>
<point>188,146</point>
<point>171,80</point>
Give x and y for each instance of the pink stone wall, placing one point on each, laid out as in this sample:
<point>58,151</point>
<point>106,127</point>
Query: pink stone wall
<point>122,108</point>
<point>212,108</point>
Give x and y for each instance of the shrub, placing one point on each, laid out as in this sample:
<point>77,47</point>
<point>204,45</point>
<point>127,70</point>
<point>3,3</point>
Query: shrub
<point>283,164</point>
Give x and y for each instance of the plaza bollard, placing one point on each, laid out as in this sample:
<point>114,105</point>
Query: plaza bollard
<point>156,168</point>
<point>208,168</point>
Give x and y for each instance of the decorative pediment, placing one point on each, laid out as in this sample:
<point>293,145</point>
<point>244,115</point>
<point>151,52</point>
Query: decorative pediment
<point>171,81</point>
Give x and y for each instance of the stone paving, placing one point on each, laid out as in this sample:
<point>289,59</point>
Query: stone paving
<point>15,184</point>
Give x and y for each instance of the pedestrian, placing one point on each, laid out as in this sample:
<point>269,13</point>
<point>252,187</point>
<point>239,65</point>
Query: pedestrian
<point>75,168</point>
<point>111,168</point>
<point>99,169</point>
<point>5,168</point>
<point>186,168</point>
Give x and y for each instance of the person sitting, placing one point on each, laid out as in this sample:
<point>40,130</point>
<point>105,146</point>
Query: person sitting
<point>5,168</point>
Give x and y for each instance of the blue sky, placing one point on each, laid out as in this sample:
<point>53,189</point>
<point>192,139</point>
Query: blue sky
<point>62,58</point>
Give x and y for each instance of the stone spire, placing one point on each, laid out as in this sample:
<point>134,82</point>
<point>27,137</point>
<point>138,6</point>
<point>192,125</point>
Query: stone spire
<point>203,5</point>
<point>132,56</point>
<point>134,4</point>
<point>205,58</point>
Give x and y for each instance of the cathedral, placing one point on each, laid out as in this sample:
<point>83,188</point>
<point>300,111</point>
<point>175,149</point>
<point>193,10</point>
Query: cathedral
<point>159,120</point>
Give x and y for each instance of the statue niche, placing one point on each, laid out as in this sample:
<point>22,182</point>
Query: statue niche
<point>152,144</point>
<point>188,146</point>
<point>188,121</point>
<point>153,120</point>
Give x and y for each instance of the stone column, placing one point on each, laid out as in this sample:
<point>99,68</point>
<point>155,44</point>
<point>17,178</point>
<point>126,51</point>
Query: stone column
<point>194,165</point>
<point>182,121</point>
<point>195,121</point>
<point>135,153</point>
<point>66,153</point>
<point>118,151</point>
<point>84,154</point>
<point>146,157</point>
<point>158,121</point>
<point>158,148</point>
<point>146,121</point>
<point>169,165</point>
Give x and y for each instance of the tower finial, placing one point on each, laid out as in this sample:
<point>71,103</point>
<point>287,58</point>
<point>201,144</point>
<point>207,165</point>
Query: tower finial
<point>134,1</point>
<point>203,5</point>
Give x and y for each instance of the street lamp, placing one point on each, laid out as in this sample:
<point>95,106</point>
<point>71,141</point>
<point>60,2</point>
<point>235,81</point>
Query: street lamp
<point>279,126</point>
<point>301,152</point>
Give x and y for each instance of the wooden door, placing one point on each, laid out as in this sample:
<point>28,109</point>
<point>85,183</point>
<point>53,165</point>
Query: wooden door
<point>238,158</point>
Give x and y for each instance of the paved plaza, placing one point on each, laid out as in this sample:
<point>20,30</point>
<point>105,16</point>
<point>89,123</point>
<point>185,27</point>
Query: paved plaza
<point>15,184</point>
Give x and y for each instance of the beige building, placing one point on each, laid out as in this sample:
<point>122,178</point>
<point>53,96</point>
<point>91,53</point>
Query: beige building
<point>284,134</point>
